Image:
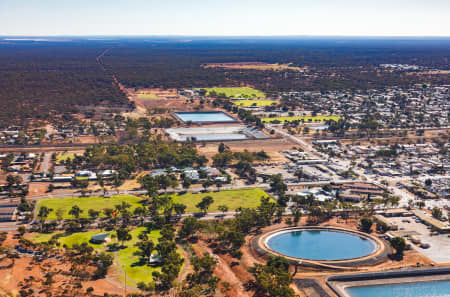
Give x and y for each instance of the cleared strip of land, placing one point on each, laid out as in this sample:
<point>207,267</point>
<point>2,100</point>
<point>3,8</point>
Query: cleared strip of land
<point>306,119</point>
<point>254,66</point>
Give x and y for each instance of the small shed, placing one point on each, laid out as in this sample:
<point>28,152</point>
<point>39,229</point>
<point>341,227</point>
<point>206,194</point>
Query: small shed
<point>98,238</point>
<point>154,259</point>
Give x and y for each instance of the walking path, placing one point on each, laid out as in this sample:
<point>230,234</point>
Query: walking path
<point>116,259</point>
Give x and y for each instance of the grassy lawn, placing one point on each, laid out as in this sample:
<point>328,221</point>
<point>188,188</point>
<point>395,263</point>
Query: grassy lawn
<point>96,203</point>
<point>62,157</point>
<point>70,239</point>
<point>237,92</point>
<point>246,198</point>
<point>147,96</point>
<point>254,102</point>
<point>127,260</point>
<point>306,119</point>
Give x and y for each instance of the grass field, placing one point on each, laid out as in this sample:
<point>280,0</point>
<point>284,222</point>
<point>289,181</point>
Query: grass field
<point>148,96</point>
<point>62,157</point>
<point>237,92</point>
<point>128,261</point>
<point>96,203</point>
<point>254,102</point>
<point>126,257</point>
<point>299,118</point>
<point>246,198</point>
<point>69,239</point>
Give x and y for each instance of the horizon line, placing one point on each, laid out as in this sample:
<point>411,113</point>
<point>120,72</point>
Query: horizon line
<point>225,36</point>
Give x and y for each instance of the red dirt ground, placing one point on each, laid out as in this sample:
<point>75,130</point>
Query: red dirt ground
<point>25,267</point>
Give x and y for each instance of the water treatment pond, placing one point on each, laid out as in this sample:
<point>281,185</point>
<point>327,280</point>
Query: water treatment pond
<point>320,244</point>
<point>419,289</point>
<point>205,117</point>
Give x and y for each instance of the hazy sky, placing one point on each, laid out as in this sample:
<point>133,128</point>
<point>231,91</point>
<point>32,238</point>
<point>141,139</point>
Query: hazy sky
<point>231,17</point>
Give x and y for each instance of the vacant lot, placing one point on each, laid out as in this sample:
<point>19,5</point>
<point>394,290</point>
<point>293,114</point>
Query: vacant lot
<point>271,146</point>
<point>314,119</point>
<point>237,92</point>
<point>96,203</point>
<point>147,96</point>
<point>255,102</point>
<point>246,198</point>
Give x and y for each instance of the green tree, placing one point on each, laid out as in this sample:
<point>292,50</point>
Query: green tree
<point>189,227</point>
<point>146,248</point>
<point>222,159</point>
<point>140,212</point>
<point>93,214</point>
<point>13,180</point>
<point>75,211</point>
<point>205,203</point>
<point>223,208</point>
<point>222,147</point>
<point>179,209</point>
<point>22,230</point>
<point>366,224</point>
<point>207,184</point>
<point>277,184</point>
<point>297,212</point>
<point>436,212</point>
<point>186,183</point>
<point>108,212</point>
<point>100,180</point>
<point>59,214</point>
<point>232,241</point>
<point>150,184</point>
<point>273,279</point>
<point>399,244</point>
<point>44,212</point>
<point>420,204</point>
<point>123,234</point>
<point>203,274</point>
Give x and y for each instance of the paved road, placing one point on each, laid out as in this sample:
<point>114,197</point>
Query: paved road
<point>46,162</point>
<point>306,146</point>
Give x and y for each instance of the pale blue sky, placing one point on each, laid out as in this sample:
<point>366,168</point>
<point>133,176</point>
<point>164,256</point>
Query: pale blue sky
<point>231,17</point>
